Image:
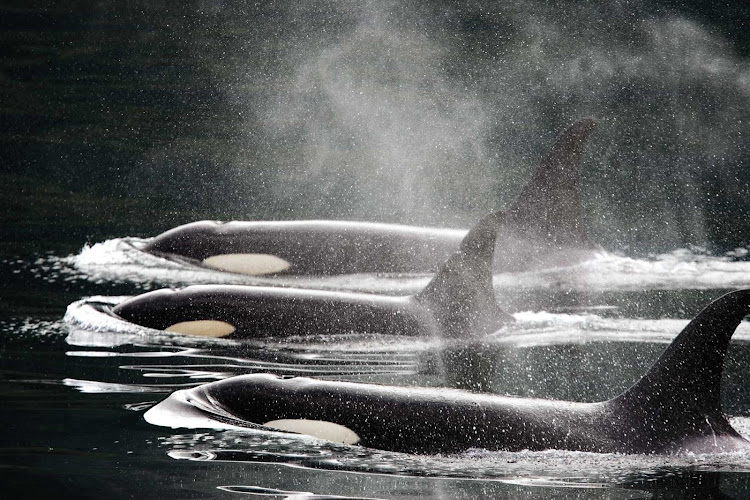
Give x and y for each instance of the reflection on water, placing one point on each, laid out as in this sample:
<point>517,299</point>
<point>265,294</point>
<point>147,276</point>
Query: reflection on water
<point>593,357</point>
<point>114,112</point>
<point>547,469</point>
<point>583,356</point>
<point>117,373</point>
<point>287,495</point>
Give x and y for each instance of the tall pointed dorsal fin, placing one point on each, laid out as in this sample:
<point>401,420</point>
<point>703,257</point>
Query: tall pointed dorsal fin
<point>549,207</point>
<point>460,296</point>
<point>685,382</point>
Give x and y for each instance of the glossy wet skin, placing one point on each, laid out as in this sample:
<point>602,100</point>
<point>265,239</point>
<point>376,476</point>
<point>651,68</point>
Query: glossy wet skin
<point>459,301</point>
<point>312,247</point>
<point>430,420</point>
<point>273,312</point>
<point>674,408</point>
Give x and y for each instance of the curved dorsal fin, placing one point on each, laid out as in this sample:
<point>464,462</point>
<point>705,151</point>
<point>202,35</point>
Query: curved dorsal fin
<point>681,392</point>
<point>549,207</point>
<point>460,296</point>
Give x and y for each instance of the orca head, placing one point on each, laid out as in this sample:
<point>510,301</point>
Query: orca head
<point>193,240</point>
<point>205,243</point>
<point>197,310</point>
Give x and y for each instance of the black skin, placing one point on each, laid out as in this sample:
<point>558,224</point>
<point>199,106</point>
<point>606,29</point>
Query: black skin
<point>543,227</point>
<point>459,301</point>
<point>277,312</point>
<point>673,409</point>
<point>314,247</point>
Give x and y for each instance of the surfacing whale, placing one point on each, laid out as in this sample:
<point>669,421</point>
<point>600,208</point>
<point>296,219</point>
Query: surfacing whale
<point>458,301</point>
<point>543,227</point>
<point>675,408</point>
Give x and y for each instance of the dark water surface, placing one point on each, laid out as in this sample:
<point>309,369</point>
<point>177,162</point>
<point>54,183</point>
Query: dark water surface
<point>121,120</point>
<point>74,393</point>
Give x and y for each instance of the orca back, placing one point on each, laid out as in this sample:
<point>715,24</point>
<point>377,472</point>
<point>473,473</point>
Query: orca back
<point>678,401</point>
<point>544,225</point>
<point>461,297</point>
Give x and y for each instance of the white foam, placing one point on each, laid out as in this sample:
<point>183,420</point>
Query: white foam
<point>176,412</point>
<point>551,468</point>
<point>121,260</point>
<point>543,328</point>
<point>90,324</point>
<point>680,269</point>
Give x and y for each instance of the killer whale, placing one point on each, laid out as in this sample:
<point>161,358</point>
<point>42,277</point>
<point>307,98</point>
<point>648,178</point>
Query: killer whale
<point>674,408</point>
<point>458,301</point>
<point>543,227</point>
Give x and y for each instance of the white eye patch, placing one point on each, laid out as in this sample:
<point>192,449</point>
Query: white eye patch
<point>316,428</point>
<point>202,328</point>
<point>254,264</point>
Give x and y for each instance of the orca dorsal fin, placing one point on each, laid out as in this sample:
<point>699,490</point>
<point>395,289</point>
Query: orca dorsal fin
<point>682,389</point>
<point>460,296</point>
<point>549,207</point>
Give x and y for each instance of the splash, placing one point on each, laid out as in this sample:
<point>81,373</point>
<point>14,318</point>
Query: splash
<point>545,468</point>
<point>429,114</point>
<point>120,260</point>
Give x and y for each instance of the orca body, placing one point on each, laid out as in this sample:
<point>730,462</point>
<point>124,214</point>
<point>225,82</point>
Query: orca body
<point>459,300</point>
<point>309,247</point>
<point>543,227</point>
<point>675,408</point>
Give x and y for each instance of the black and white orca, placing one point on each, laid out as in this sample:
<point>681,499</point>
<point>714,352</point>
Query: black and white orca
<point>458,301</point>
<point>674,408</point>
<point>542,228</point>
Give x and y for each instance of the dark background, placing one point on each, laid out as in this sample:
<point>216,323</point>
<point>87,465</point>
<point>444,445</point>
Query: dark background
<point>127,118</point>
